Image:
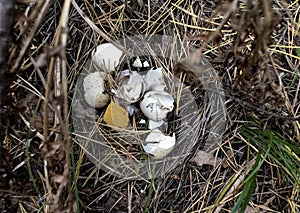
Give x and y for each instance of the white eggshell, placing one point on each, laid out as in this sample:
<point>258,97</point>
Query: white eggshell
<point>132,93</point>
<point>155,124</point>
<point>106,57</point>
<point>142,121</point>
<point>132,89</point>
<point>156,105</point>
<point>154,80</point>
<point>158,144</point>
<point>146,64</point>
<point>137,62</point>
<point>93,87</point>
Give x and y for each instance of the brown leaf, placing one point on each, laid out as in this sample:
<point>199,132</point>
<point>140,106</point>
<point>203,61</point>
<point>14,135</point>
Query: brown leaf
<point>115,115</point>
<point>175,177</point>
<point>203,158</point>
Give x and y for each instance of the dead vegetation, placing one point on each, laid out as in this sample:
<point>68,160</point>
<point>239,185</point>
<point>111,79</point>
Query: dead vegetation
<point>253,45</point>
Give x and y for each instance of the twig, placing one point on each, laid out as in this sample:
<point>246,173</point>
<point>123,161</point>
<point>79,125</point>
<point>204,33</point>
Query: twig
<point>6,19</point>
<point>58,70</point>
<point>100,32</point>
<point>25,45</point>
<point>233,7</point>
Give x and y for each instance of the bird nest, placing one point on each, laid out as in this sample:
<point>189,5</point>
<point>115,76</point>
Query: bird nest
<point>195,120</point>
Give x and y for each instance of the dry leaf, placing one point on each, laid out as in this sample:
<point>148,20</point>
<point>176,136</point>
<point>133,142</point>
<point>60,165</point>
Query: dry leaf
<point>115,115</point>
<point>202,158</point>
<point>175,177</point>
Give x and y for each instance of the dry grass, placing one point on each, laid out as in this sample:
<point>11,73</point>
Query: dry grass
<point>253,45</point>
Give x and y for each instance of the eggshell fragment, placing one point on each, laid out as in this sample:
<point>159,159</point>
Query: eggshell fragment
<point>137,62</point>
<point>106,57</point>
<point>158,144</point>
<point>155,124</point>
<point>154,80</point>
<point>94,86</point>
<point>146,64</point>
<point>132,89</point>
<point>156,105</point>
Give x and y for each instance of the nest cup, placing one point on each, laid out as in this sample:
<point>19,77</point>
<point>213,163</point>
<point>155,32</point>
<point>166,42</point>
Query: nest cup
<point>197,118</point>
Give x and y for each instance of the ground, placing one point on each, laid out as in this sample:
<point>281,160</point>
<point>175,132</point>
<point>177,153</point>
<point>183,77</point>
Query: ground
<point>252,45</point>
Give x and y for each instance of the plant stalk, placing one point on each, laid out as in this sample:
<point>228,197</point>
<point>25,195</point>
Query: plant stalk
<point>6,20</point>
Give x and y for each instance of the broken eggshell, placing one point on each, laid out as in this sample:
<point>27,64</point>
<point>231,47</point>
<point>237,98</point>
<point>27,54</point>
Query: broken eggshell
<point>139,64</point>
<point>156,105</point>
<point>154,80</point>
<point>94,87</point>
<point>158,144</point>
<point>131,89</point>
<point>155,124</point>
<point>106,57</point>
